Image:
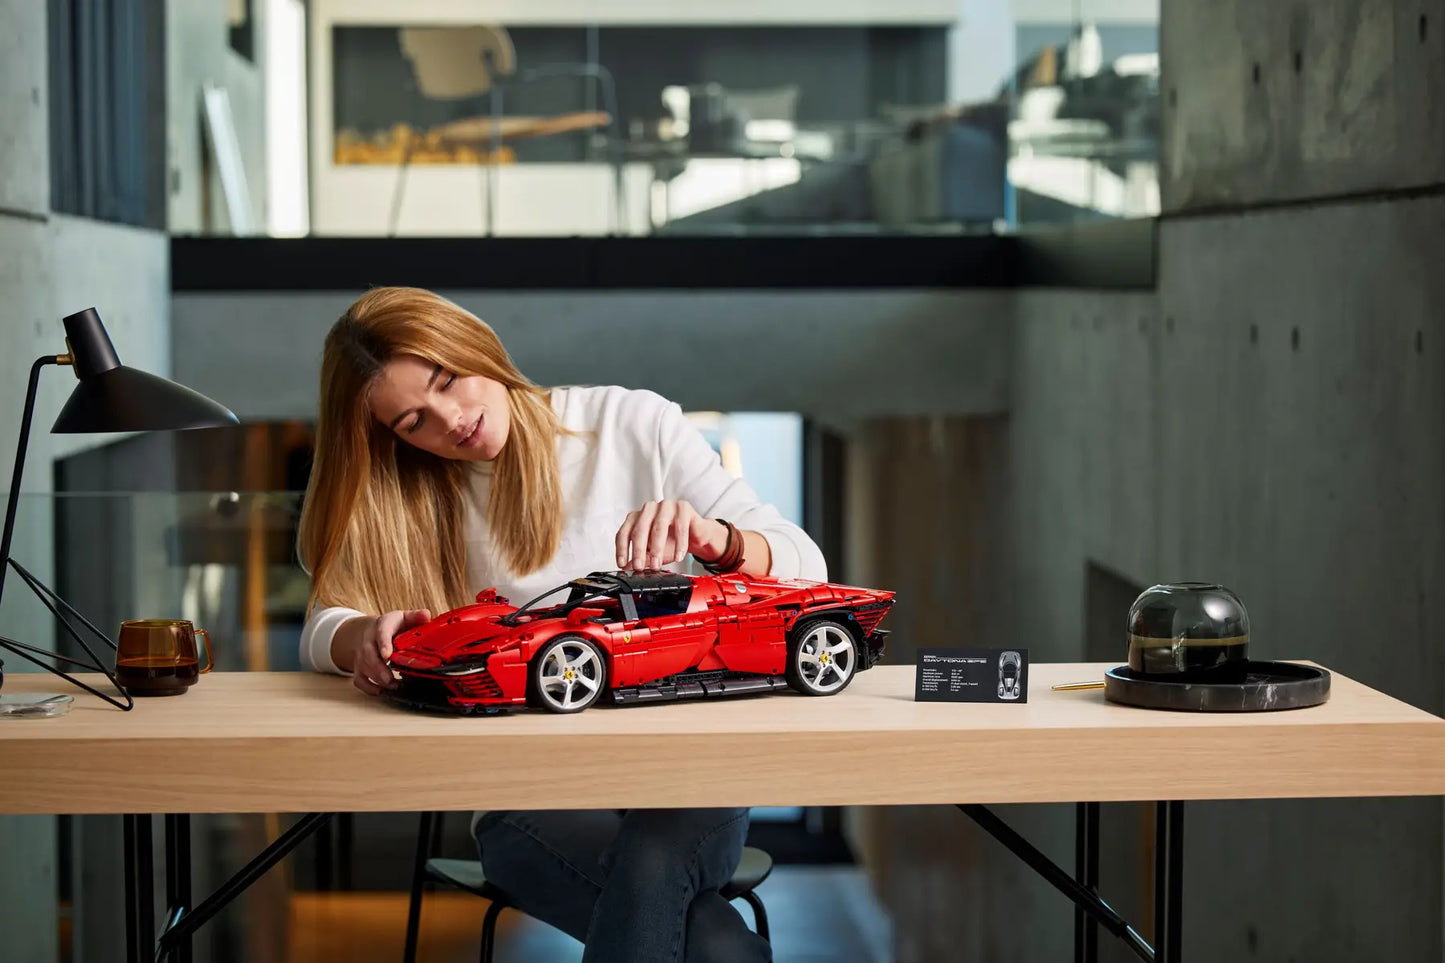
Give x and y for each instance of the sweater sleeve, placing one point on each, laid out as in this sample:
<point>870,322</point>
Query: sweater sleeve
<point>693,472</point>
<point>317,634</point>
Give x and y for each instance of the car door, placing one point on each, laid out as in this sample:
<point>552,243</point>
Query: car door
<point>631,642</point>
<point>681,632</point>
<point>749,634</point>
<point>755,641</point>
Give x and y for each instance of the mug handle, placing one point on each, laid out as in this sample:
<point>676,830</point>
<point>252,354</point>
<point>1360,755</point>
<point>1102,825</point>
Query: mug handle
<point>209,661</point>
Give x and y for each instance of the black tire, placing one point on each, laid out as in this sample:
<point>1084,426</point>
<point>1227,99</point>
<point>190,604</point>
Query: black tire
<point>549,673</point>
<point>828,673</point>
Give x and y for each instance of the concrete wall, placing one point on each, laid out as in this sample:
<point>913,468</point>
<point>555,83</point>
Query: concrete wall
<point>1268,102</point>
<point>24,150</point>
<point>51,266</point>
<point>835,356</point>
<point>1322,126</point>
<point>28,842</point>
<point>1324,415</point>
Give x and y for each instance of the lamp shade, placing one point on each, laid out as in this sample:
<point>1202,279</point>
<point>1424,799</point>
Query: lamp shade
<point>111,397</point>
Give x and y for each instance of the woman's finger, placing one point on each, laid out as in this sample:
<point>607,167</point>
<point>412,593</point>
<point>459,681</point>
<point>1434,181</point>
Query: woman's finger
<point>624,537</point>
<point>658,534</point>
<point>392,624</point>
<point>637,540</point>
<point>681,527</point>
<point>374,663</point>
<point>364,674</point>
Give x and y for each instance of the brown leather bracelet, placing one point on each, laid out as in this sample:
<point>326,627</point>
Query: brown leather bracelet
<point>731,558</point>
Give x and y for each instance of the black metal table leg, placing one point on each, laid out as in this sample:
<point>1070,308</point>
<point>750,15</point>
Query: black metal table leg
<point>178,875</point>
<point>181,923</point>
<point>184,887</point>
<point>1084,898</point>
<point>145,886</point>
<point>418,883</point>
<point>134,952</point>
<point>1176,881</point>
<point>324,858</point>
<point>172,870</point>
<point>1168,881</point>
<point>1082,888</point>
<point>1086,871</point>
<point>345,840</point>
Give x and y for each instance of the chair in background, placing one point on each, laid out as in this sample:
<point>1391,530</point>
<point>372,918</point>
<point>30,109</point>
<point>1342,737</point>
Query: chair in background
<point>457,63</point>
<point>467,874</point>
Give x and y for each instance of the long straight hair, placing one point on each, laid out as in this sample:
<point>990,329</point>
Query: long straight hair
<point>382,524</point>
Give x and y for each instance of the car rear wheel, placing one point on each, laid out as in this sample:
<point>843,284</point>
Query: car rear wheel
<point>822,657</point>
<point>568,675</point>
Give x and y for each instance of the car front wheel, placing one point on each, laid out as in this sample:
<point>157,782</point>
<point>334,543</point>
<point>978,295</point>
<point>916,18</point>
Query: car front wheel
<point>822,658</point>
<point>568,675</point>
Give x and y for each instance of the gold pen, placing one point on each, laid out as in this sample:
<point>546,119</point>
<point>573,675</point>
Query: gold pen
<point>1078,685</point>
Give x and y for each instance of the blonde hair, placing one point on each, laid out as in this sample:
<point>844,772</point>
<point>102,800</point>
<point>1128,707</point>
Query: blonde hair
<point>381,527</point>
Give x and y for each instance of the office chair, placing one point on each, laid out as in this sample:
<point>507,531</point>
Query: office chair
<point>456,63</point>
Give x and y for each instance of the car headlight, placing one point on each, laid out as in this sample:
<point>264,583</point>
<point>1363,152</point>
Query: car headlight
<point>466,668</point>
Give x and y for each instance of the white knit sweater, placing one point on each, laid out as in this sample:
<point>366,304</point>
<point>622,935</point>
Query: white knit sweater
<point>631,447</point>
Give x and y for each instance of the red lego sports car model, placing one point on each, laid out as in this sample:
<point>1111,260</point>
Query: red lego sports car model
<point>641,637</point>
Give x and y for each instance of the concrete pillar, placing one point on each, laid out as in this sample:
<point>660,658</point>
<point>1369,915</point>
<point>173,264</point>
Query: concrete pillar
<point>52,265</point>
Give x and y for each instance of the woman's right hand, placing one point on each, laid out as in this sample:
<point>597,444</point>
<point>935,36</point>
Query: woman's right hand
<point>370,673</point>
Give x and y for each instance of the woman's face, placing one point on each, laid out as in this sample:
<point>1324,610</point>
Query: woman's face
<point>431,408</point>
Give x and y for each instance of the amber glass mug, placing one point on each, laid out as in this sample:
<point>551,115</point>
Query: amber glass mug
<point>156,657</point>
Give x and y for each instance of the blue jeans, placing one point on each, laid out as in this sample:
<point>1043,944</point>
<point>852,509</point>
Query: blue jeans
<point>633,886</point>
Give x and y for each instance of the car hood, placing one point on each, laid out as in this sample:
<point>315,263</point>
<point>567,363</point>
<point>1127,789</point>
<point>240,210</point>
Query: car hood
<point>454,637</point>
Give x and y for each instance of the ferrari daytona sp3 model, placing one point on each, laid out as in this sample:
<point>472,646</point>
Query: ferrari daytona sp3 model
<point>641,637</point>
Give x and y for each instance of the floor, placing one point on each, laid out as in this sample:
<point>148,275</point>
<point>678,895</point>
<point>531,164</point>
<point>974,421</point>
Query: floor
<point>818,914</point>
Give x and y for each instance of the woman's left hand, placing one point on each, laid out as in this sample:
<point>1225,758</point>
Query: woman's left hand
<point>662,532</point>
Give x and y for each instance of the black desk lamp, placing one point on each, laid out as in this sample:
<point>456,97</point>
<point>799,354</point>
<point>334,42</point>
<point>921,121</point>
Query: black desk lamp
<point>110,397</point>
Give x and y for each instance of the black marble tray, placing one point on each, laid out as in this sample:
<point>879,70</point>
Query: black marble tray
<point>1269,686</point>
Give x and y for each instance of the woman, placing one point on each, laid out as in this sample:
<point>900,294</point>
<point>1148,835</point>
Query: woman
<point>440,470</point>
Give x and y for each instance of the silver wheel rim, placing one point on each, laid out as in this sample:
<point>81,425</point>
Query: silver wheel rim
<point>825,658</point>
<point>571,675</point>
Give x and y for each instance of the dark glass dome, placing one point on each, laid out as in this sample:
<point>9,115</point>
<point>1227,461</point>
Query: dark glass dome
<point>1193,629</point>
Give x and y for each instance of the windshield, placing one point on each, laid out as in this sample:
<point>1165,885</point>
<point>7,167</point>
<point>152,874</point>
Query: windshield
<point>557,607</point>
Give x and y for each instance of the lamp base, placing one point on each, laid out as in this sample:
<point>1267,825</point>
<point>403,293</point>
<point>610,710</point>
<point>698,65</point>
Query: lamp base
<point>34,705</point>
<point>63,613</point>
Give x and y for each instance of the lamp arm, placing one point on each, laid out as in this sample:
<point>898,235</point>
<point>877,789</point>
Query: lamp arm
<point>13,502</point>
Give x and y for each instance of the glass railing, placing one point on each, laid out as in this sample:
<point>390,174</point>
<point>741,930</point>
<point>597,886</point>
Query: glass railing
<point>617,128</point>
<point>224,561</point>
<point>1083,129</point>
<point>912,116</point>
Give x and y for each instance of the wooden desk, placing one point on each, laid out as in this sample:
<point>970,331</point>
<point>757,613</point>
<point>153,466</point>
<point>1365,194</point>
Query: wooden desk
<point>296,742</point>
<point>302,742</point>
